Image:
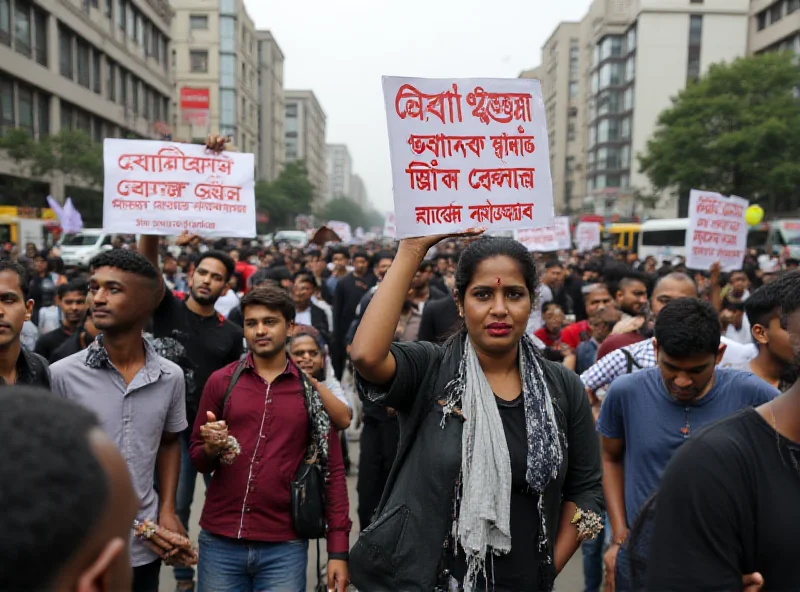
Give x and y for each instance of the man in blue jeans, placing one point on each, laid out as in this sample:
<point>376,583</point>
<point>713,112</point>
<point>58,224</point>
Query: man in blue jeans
<point>249,541</point>
<point>193,335</point>
<point>647,416</point>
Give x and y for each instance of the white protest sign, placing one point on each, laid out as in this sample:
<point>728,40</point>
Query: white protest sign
<point>717,231</point>
<point>587,235</point>
<point>548,238</point>
<point>389,229</point>
<point>342,229</point>
<point>166,188</point>
<point>468,152</point>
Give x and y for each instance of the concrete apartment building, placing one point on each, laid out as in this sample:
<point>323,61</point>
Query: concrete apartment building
<point>339,166</point>
<point>101,66</point>
<point>358,191</point>
<point>216,72</point>
<point>271,109</point>
<point>633,57</point>
<point>774,26</point>
<point>304,130</point>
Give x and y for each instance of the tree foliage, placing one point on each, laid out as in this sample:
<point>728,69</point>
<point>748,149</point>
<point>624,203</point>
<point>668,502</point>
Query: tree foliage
<point>70,152</point>
<point>735,131</point>
<point>290,195</point>
<point>344,209</point>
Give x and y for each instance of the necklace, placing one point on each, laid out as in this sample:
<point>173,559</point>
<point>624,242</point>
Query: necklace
<point>795,464</point>
<point>686,426</point>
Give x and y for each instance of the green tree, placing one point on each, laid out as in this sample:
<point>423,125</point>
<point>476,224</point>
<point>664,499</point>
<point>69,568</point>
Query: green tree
<point>290,195</point>
<point>70,152</point>
<point>343,210</point>
<point>735,131</point>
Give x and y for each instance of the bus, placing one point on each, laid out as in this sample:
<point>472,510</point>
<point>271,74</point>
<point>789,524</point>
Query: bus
<point>624,235</point>
<point>663,238</point>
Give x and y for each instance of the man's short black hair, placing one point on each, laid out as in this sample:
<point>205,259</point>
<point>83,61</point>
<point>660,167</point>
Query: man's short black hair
<point>381,255</point>
<point>338,251</point>
<point>425,265</point>
<point>788,287</point>
<point>6,265</point>
<point>687,327</point>
<point>77,285</point>
<point>224,258</point>
<point>305,276</point>
<point>52,487</point>
<point>553,263</point>
<point>764,304</point>
<point>272,297</point>
<point>125,260</point>
<point>362,254</point>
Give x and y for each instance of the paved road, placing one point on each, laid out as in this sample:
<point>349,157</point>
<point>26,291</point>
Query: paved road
<point>571,579</point>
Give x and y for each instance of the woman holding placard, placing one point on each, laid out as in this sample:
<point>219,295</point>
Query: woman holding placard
<point>497,479</point>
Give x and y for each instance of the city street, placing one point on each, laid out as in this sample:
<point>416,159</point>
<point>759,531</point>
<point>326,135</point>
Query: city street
<point>571,580</point>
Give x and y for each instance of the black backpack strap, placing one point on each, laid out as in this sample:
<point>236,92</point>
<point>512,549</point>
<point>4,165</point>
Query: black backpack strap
<point>630,361</point>
<point>234,379</point>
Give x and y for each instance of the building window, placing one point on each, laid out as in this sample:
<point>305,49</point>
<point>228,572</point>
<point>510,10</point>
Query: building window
<point>626,128</point>
<point>107,8</point>
<point>156,107</point>
<point>121,16</point>
<point>198,22</point>
<point>97,81</point>
<point>792,6</point>
<point>22,27</point>
<point>775,12</point>
<point>40,36</point>
<point>67,120</point>
<point>227,34</point>
<point>227,110</point>
<point>84,77</point>
<point>198,61</point>
<point>25,107</point>
<point>573,89</point>
<point>5,21</point>
<point>97,130</point>
<point>146,106</point>
<point>695,41</point>
<point>135,94</point>
<point>66,58</point>
<point>227,70</point>
<point>630,40</point>
<point>139,29</point>
<point>111,81</point>
<point>6,105</point>
<point>630,69</point>
<point>83,121</point>
<point>123,86</point>
<point>130,21</point>
<point>43,115</point>
<point>227,6</point>
<point>147,35</point>
<point>291,110</point>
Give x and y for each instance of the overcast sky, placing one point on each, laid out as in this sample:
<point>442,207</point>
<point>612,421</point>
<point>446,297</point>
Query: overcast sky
<point>341,48</point>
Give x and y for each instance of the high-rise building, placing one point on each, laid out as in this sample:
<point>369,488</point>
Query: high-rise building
<point>98,66</point>
<point>272,112</point>
<point>304,129</point>
<point>340,169</point>
<point>774,25</point>
<point>560,71</point>
<point>216,72</point>
<point>644,52</point>
<point>358,191</point>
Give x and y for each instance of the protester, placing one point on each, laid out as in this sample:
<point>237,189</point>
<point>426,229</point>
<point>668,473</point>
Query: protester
<point>348,294</point>
<point>774,360</point>
<point>645,418</point>
<point>80,339</point>
<point>278,419</point>
<point>308,350</point>
<point>138,396</point>
<point>596,297</point>
<point>443,483</point>
<point>17,365</point>
<point>306,312</point>
<point>71,300</point>
<point>631,296</point>
<point>68,503</point>
<point>726,505</point>
<point>195,336</point>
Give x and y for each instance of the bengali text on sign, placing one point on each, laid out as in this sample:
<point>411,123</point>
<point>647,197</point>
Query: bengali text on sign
<point>587,235</point>
<point>165,188</point>
<point>547,238</point>
<point>717,231</point>
<point>468,153</point>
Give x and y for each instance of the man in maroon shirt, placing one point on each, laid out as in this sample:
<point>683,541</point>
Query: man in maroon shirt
<point>247,540</point>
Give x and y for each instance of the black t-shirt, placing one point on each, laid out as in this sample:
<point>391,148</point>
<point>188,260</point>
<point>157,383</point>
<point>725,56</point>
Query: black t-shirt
<point>518,569</point>
<point>199,345</point>
<point>728,507</point>
<point>50,342</point>
<point>78,341</point>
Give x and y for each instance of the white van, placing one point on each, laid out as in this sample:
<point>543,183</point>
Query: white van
<point>79,248</point>
<point>663,238</point>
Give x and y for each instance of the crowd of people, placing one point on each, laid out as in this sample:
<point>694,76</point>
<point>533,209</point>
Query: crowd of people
<point>511,408</point>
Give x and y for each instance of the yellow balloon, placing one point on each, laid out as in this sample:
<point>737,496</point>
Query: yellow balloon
<point>754,215</point>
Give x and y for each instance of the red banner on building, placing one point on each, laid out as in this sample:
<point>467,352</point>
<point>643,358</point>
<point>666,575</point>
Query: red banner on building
<point>194,98</point>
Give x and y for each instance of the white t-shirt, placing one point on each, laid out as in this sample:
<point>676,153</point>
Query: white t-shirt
<point>737,355</point>
<point>227,303</point>
<point>740,335</point>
